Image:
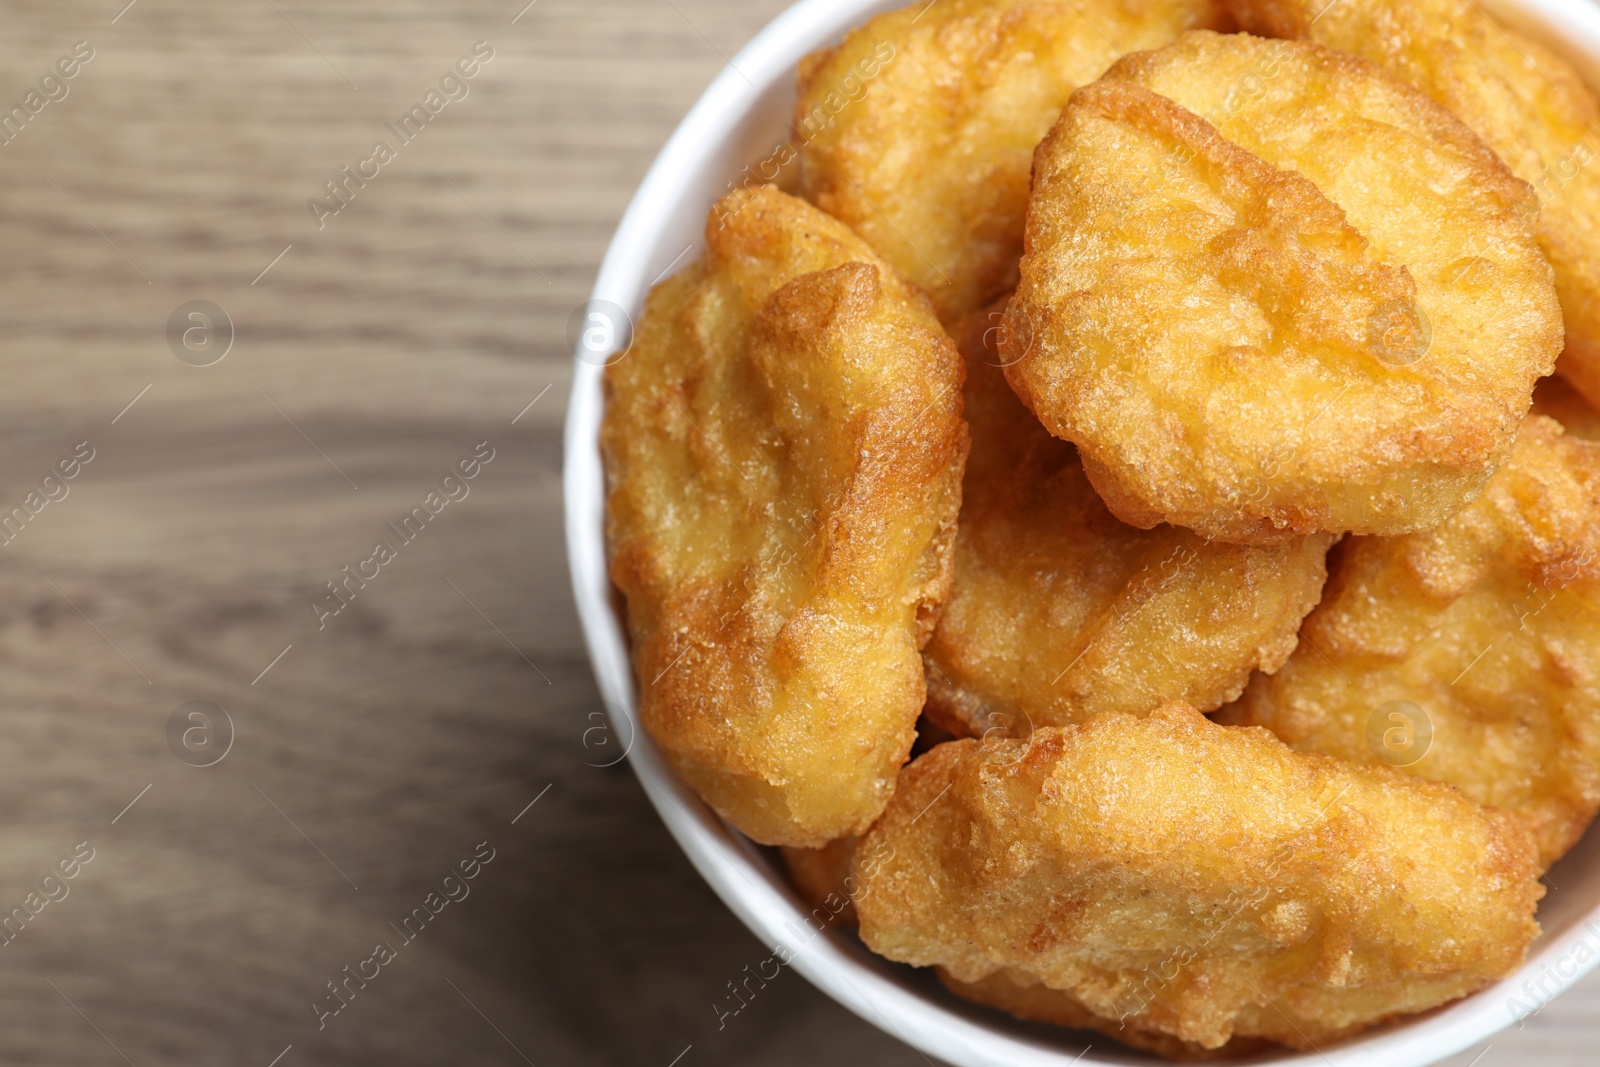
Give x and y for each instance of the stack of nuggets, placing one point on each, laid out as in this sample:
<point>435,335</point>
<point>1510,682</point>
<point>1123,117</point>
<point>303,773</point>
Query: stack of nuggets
<point>1280,307</point>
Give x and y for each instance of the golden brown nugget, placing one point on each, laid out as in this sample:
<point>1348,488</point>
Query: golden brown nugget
<point>784,448</point>
<point>1469,654</point>
<point>1269,291</point>
<point>1060,611</point>
<point>1525,102</point>
<point>828,879</point>
<point>1556,398</point>
<point>822,877</point>
<point>1197,880</point>
<point>1025,997</point>
<point>919,129</point>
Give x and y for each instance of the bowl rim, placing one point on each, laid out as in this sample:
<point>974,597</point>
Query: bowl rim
<point>736,869</point>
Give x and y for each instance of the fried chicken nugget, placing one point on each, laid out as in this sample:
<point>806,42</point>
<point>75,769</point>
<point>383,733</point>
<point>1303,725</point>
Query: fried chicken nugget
<point>784,448</point>
<point>1269,291</point>
<point>1557,398</point>
<point>1060,611</point>
<point>1024,996</point>
<point>1470,653</point>
<point>1527,103</point>
<point>822,876</point>
<point>919,129</point>
<point>1197,880</point>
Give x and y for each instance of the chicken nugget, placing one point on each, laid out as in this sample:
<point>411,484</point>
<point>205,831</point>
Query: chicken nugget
<point>1024,996</point>
<point>1469,653</point>
<point>822,878</point>
<point>1197,880</point>
<point>1556,398</point>
<point>919,129</point>
<point>784,448</point>
<point>1060,611</point>
<point>1527,103</point>
<point>1270,291</point>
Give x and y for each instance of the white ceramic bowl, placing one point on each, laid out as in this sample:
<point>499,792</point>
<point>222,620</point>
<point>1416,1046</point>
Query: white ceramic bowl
<point>739,121</point>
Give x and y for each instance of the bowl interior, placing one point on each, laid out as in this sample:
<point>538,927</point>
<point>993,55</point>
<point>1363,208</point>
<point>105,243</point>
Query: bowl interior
<point>740,120</point>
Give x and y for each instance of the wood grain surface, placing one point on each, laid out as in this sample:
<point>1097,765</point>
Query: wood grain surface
<point>372,750</point>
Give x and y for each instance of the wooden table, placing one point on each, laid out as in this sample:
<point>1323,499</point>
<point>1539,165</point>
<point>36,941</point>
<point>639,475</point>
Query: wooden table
<point>374,750</point>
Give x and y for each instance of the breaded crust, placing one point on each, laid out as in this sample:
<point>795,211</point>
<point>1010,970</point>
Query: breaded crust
<point>784,448</point>
<point>1268,291</point>
<point>1020,994</point>
<point>1197,880</point>
<point>1527,103</point>
<point>918,130</point>
<point>1060,611</point>
<point>1469,653</point>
